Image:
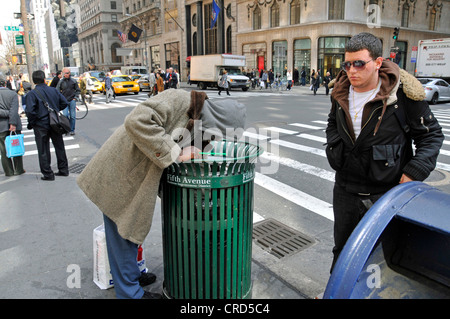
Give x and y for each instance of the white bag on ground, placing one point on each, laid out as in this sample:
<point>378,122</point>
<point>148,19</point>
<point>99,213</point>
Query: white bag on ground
<point>102,271</point>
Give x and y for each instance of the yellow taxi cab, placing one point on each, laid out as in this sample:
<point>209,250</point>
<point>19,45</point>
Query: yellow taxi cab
<point>48,81</point>
<point>123,84</point>
<point>98,86</point>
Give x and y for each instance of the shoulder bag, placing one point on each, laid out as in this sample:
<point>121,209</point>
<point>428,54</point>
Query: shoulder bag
<point>58,122</point>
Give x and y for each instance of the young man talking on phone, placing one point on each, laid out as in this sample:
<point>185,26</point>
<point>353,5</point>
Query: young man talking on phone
<point>368,144</point>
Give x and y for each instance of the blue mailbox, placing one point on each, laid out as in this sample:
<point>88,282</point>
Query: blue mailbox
<point>399,250</point>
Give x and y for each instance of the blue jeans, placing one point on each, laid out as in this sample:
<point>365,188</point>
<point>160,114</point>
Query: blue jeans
<point>70,112</point>
<point>122,256</point>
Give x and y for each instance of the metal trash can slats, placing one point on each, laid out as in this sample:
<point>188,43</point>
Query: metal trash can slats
<point>207,210</point>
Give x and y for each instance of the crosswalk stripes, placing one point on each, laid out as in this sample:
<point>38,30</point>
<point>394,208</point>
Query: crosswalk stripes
<point>30,144</point>
<point>297,133</point>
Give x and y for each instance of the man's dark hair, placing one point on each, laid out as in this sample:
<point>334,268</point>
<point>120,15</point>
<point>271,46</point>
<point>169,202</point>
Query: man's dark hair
<point>58,73</point>
<point>38,77</point>
<point>366,41</point>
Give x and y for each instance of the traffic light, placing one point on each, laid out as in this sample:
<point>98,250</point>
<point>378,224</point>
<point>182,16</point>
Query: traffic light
<point>396,32</point>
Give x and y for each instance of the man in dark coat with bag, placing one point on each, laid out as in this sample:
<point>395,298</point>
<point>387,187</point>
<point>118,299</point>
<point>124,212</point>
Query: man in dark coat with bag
<point>39,121</point>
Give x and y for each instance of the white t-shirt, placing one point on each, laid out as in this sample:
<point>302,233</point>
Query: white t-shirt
<point>356,102</point>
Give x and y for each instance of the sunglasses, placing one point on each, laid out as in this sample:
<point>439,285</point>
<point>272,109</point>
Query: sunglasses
<point>358,64</point>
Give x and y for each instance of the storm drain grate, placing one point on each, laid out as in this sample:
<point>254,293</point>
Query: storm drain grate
<point>279,239</point>
<point>76,168</point>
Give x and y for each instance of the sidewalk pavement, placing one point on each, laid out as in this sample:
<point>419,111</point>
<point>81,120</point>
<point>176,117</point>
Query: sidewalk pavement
<point>46,234</point>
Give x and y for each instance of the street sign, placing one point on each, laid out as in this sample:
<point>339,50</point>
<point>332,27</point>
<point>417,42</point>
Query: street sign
<point>11,28</point>
<point>19,40</point>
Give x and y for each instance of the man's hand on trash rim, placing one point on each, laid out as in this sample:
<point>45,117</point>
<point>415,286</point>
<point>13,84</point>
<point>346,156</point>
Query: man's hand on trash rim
<point>188,153</point>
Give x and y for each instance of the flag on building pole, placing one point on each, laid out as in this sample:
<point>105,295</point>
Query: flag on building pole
<point>122,36</point>
<point>134,33</point>
<point>214,13</point>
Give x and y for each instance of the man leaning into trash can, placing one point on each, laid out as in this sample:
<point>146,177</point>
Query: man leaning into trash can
<point>122,179</point>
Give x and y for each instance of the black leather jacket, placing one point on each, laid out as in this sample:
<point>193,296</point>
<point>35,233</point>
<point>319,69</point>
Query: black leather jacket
<point>375,161</point>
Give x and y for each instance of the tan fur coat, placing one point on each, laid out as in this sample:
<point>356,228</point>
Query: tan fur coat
<point>122,179</point>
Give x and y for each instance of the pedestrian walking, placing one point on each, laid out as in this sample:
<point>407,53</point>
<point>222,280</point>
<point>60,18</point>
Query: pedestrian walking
<point>39,121</point>
<point>223,82</point>
<point>56,79</point>
<point>68,87</point>
<point>303,77</point>
<point>367,145</point>
<point>109,90</point>
<point>326,81</point>
<point>9,122</point>
<point>289,80</point>
<point>296,76</point>
<point>152,84</point>
<point>122,179</point>
<point>86,87</point>
<point>263,80</point>
<point>159,83</point>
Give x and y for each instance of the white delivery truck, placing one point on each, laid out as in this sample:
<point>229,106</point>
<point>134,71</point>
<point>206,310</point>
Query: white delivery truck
<point>206,70</point>
<point>433,58</point>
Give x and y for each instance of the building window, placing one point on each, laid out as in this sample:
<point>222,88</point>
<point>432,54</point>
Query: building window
<point>275,15</point>
<point>432,22</point>
<point>295,12</point>
<point>194,43</point>
<point>172,55</point>
<point>255,55</point>
<point>114,57</point>
<point>113,17</point>
<point>257,18</point>
<point>113,5</point>
<point>302,57</point>
<point>154,56</point>
<point>279,58</point>
<point>400,57</point>
<point>331,54</point>
<point>336,9</point>
<point>229,38</point>
<point>210,33</point>
<point>405,15</point>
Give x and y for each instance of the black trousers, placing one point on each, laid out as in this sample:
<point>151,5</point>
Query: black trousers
<point>348,210</point>
<point>42,137</point>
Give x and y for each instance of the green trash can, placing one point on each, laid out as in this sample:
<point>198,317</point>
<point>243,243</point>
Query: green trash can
<point>207,223</point>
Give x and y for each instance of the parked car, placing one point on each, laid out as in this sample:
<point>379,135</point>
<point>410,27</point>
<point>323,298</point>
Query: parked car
<point>144,83</point>
<point>122,84</point>
<point>436,90</point>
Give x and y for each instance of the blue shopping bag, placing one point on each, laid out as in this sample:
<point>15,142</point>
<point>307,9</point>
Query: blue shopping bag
<point>14,145</point>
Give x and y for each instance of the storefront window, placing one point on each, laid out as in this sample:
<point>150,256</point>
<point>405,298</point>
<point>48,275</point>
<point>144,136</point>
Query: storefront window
<point>400,57</point>
<point>302,56</point>
<point>172,55</point>
<point>331,54</point>
<point>255,55</point>
<point>155,60</point>
<point>279,57</point>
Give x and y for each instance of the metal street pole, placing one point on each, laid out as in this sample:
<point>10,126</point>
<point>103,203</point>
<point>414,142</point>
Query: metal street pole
<point>24,17</point>
<point>145,40</point>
